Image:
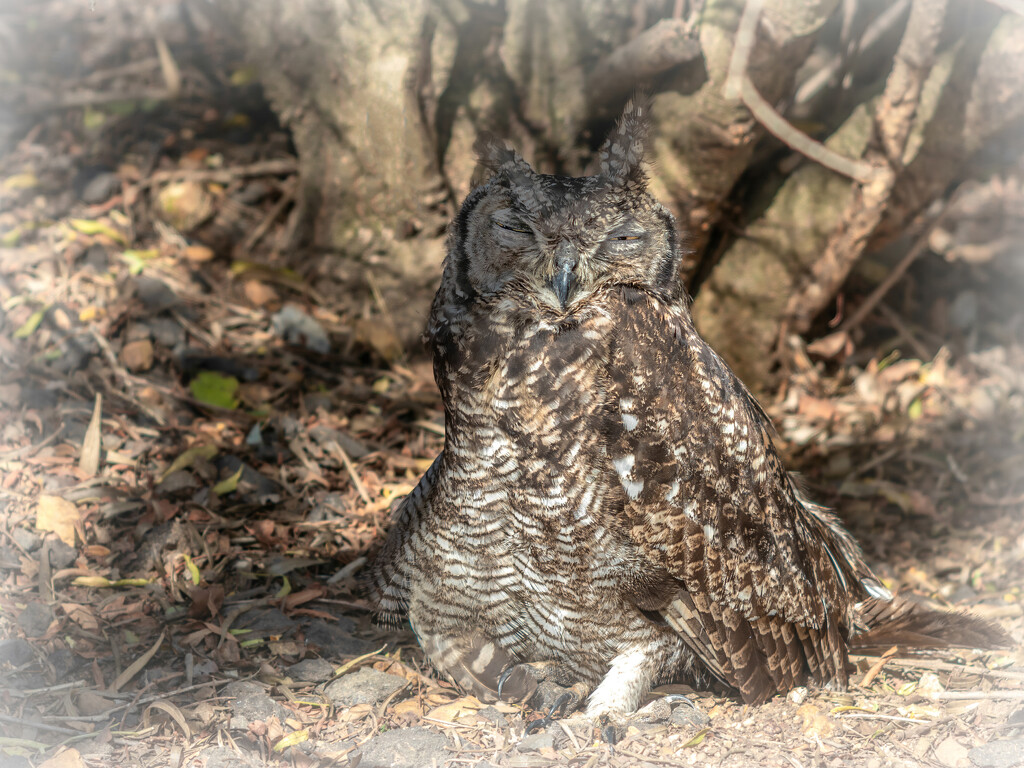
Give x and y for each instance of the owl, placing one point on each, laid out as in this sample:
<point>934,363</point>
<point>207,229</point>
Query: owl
<point>609,511</point>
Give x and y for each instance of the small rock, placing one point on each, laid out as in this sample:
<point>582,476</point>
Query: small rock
<point>950,752</point>
<point>658,711</point>
<point>405,748</point>
<point>252,702</point>
<point>15,651</point>
<point>265,622</point>
<point>35,619</point>
<point>334,639</point>
<point>61,555</point>
<point>100,188</point>
<point>1001,753</point>
<point>176,482</point>
<point>155,295</point>
<point>26,539</point>
<point>137,356</point>
<point>296,327</point>
<point>166,331</point>
<point>492,715</point>
<point>798,695</point>
<point>688,716</point>
<point>535,742</point>
<point>96,259</point>
<point>311,671</point>
<point>365,686</point>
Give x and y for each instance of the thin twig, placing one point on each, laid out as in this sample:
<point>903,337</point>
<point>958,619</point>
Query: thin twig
<point>278,167</point>
<point>978,695</point>
<point>919,247</point>
<point>945,666</point>
<point>339,452</point>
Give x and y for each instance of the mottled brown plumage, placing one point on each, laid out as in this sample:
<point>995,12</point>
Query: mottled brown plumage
<point>609,498</point>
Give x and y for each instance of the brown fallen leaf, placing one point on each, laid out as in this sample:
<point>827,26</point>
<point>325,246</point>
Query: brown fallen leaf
<point>58,515</point>
<point>89,458</point>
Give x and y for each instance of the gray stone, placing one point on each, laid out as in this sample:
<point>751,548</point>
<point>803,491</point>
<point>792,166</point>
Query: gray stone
<point>296,327</point>
<point>1001,753</point>
<point>405,748</point>
<point>365,686</point>
<point>28,540</point>
<point>35,619</point>
<point>251,702</point>
<point>334,639</point>
<point>101,188</point>
<point>166,331</point>
<point>536,742</point>
<point>688,716</point>
<point>311,671</point>
<point>264,622</point>
<point>492,715</point>
<point>61,555</point>
<point>15,651</point>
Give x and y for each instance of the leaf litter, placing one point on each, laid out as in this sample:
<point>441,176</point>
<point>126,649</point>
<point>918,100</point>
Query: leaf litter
<point>183,525</point>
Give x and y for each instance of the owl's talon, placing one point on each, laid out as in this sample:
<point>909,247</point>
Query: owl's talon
<point>560,704</point>
<point>678,698</point>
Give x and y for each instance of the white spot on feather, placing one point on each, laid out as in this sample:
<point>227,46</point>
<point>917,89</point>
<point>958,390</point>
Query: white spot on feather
<point>629,421</point>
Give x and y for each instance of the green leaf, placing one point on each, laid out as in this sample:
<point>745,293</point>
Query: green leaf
<point>29,326</point>
<point>193,569</point>
<point>186,459</point>
<point>215,389</point>
<point>91,227</point>
<point>137,260</point>
<point>228,484</point>
<point>285,590</point>
<point>698,738</point>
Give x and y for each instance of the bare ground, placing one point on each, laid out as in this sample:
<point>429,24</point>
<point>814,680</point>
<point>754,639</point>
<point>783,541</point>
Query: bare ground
<point>201,441</point>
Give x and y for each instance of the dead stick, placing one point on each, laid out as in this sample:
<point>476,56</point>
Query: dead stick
<point>945,666</point>
<point>351,469</point>
<point>919,247</point>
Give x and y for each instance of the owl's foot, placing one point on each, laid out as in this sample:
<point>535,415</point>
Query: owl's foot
<point>561,702</point>
<point>540,684</point>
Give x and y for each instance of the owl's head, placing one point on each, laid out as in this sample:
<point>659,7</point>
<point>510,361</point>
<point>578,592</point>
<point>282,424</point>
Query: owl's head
<point>553,241</point>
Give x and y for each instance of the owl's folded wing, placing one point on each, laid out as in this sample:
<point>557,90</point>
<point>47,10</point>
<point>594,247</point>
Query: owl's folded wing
<point>768,580</point>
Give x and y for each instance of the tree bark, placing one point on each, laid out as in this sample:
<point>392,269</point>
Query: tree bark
<point>385,99</point>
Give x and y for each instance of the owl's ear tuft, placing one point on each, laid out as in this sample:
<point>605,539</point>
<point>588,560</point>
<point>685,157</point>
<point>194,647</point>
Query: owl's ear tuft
<point>622,156</point>
<point>495,155</point>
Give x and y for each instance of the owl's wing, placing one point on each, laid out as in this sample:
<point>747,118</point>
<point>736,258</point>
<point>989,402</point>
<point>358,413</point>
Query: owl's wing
<point>768,580</point>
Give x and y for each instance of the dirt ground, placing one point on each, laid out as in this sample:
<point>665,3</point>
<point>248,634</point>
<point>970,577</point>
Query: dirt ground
<point>201,439</point>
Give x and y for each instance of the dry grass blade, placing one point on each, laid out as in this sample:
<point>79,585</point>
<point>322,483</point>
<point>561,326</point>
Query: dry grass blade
<point>89,458</point>
<point>137,666</point>
<point>175,714</point>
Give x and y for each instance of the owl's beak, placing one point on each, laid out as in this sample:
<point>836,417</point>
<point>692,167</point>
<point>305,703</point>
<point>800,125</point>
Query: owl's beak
<point>565,278</point>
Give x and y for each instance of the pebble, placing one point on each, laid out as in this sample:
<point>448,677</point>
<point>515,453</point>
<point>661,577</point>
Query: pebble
<point>404,748</point>
<point>311,671</point>
<point>1001,753</point>
<point>364,686</point>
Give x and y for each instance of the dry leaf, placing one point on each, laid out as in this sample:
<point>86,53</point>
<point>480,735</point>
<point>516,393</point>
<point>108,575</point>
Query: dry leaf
<point>199,253</point>
<point>259,293</point>
<point>58,515</point>
<point>89,458</point>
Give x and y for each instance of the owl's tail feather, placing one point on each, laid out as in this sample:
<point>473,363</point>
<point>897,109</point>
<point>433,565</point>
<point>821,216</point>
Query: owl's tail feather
<point>881,624</point>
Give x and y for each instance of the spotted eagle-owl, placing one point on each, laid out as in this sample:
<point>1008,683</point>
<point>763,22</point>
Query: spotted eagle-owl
<point>609,500</point>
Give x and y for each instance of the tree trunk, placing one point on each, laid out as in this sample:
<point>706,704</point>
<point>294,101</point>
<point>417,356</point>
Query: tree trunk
<point>385,99</point>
